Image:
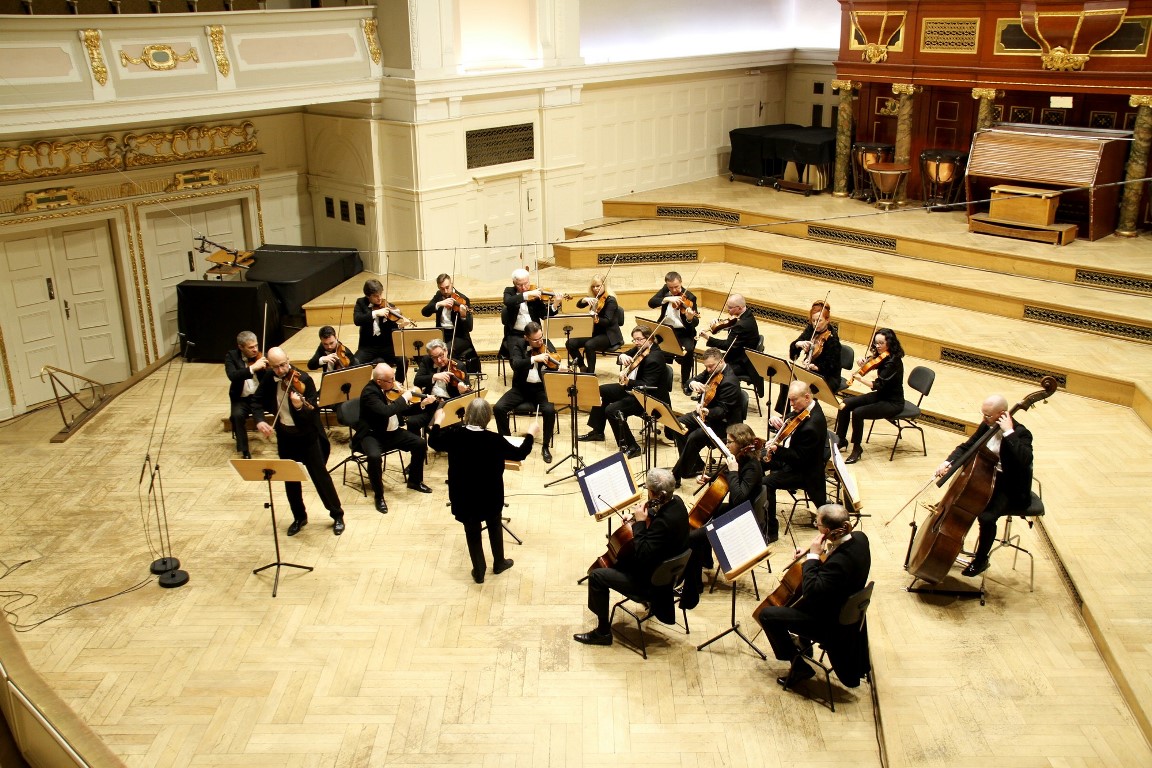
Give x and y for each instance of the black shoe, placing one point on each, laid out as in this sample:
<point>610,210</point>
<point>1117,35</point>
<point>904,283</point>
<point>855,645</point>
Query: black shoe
<point>632,451</point>
<point>419,487</point>
<point>592,437</point>
<point>502,566</point>
<point>687,391</point>
<point>772,538</point>
<point>296,526</point>
<point>595,637</point>
<point>478,575</point>
<point>976,567</point>
<point>676,477</point>
<point>798,673</point>
<point>338,527</point>
<point>381,505</point>
<point>546,455</point>
<point>247,455</point>
<point>854,457</point>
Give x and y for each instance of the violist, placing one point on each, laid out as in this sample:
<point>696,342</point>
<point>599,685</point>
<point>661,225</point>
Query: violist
<point>616,400</point>
<point>719,406</point>
<point>798,460</point>
<point>816,349</point>
<point>330,354</point>
<point>376,319</point>
<point>886,400</point>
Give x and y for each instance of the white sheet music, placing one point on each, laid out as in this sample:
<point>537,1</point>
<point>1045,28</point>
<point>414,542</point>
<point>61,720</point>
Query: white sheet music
<point>741,539</point>
<point>610,487</point>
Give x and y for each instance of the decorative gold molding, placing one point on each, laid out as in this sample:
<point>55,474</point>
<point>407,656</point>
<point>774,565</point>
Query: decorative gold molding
<point>843,85</point>
<point>204,177</point>
<point>891,108</point>
<point>191,143</point>
<point>219,52</point>
<point>91,40</point>
<point>41,159</point>
<point>985,93</point>
<point>1059,60</point>
<point>48,199</point>
<point>159,57</point>
<point>950,34</point>
<point>369,27</point>
<point>906,89</point>
<point>1140,101</point>
<point>874,53</point>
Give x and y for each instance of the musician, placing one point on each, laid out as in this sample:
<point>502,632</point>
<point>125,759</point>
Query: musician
<point>660,532</point>
<point>835,567</point>
<point>528,358</point>
<point>455,319</point>
<point>243,366</point>
<point>798,460</point>
<point>299,437</point>
<point>376,320</point>
<point>523,306</point>
<point>328,352</point>
<point>436,382</point>
<point>681,318</point>
<point>616,400</point>
<point>1012,488</point>
<point>818,333</point>
<point>886,399</point>
<point>743,335</point>
<point>720,411</point>
<point>605,330</point>
<point>476,479</point>
<point>744,478</point>
<point>381,416</point>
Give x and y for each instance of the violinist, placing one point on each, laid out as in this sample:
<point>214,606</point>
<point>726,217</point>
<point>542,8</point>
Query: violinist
<point>523,304</point>
<point>330,355</point>
<point>817,349</point>
<point>382,408</point>
<point>616,400</point>
<point>243,366</point>
<point>605,329</point>
<point>886,399</point>
<point>660,532</point>
<point>299,436</point>
<point>719,407</point>
<point>681,314</point>
<point>835,566</point>
<point>798,460</point>
<point>744,479</point>
<point>438,378</point>
<point>454,317</point>
<point>743,334</point>
<point>376,319</point>
<point>1013,484</point>
<point>529,359</point>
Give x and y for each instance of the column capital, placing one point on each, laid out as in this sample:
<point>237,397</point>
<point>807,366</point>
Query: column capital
<point>906,88</point>
<point>844,85</point>
<point>985,93</point>
<point>1140,101</point>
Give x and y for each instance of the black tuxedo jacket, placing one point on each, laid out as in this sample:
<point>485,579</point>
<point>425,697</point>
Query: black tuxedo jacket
<point>805,450</point>
<point>236,368</point>
<point>1015,477</point>
<point>745,483</point>
<point>520,360</point>
<point>476,468</point>
<point>665,535</point>
<point>742,336</point>
<point>828,585</point>
<point>657,302</point>
<point>650,376</point>
<point>423,379</point>
<point>269,393</point>
<point>463,324</point>
<point>829,361</point>
<point>362,316</point>
<point>725,406</point>
<point>375,411</point>
<point>606,321</point>
<point>537,310</point>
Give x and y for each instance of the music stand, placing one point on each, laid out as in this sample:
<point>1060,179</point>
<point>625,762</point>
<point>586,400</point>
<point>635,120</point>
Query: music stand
<point>579,326</point>
<point>656,412</point>
<point>819,388</point>
<point>739,545</point>
<point>282,471</point>
<point>454,408</point>
<point>849,490</point>
<point>769,366</point>
<point>666,337</point>
<point>576,391</point>
<point>415,339</point>
<point>338,386</point>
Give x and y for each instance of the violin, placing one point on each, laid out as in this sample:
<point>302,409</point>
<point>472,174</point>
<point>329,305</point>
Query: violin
<point>412,398</point>
<point>394,314</point>
<point>869,365</point>
<point>787,429</point>
<point>815,348</point>
<point>720,323</point>
<point>545,293</point>
<point>460,303</point>
<point>637,359</point>
<point>343,356</point>
<point>293,380</point>
<point>711,387</point>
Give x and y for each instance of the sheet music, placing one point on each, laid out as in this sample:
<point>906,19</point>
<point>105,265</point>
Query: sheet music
<point>607,485</point>
<point>741,539</point>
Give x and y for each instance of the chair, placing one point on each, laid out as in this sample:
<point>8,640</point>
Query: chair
<point>670,573</point>
<point>529,409</point>
<point>853,614</point>
<point>1034,509</point>
<point>746,381</point>
<point>501,360</point>
<point>921,380</point>
<point>348,415</point>
<point>847,363</point>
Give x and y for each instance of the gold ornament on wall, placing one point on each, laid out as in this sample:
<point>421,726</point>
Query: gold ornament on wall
<point>195,141</point>
<point>159,57</point>
<point>47,199</point>
<point>369,27</point>
<point>91,40</point>
<point>1059,60</point>
<point>219,52</point>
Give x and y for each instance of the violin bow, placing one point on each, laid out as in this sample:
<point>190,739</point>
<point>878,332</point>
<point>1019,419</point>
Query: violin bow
<point>914,497</point>
<point>875,325</point>
<point>721,314</point>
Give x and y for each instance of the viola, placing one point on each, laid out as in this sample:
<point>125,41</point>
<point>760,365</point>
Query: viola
<point>293,380</point>
<point>393,314</point>
<point>815,347</point>
<point>456,375</point>
<point>867,367</point>
<point>343,356</point>
<point>721,323</point>
<point>546,293</point>
<point>460,303</point>
<point>637,359</point>
<point>393,395</point>
<point>712,386</point>
<point>788,428</point>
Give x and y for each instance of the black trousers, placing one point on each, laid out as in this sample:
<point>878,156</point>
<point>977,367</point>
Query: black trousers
<point>600,582</point>
<point>687,339</point>
<point>534,394</point>
<point>473,530</point>
<point>375,445</point>
<point>591,346</point>
<point>242,408</point>
<point>309,450</point>
<point>998,507</point>
<point>859,408</point>
<point>779,622</point>
<point>789,479</point>
<point>691,443</point>
<point>616,405</point>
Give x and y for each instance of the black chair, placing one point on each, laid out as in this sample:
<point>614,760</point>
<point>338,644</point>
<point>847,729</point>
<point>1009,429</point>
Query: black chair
<point>1008,540</point>
<point>921,380</point>
<point>529,409</point>
<point>670,573</point>
<point>664,394</point>
<point>746,381</point>
<point>852,616</point>
<point>847,363</point>
<point>348,415</point>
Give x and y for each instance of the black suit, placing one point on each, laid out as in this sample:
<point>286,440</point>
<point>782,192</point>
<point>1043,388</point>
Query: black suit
<point>538,310</point>
<point>236,368</point>
<point>742,336</point>
<point>723,411</point>
<point>827,364</point>
<point>374,440</point>
<point>521,391</point>
<point>375,344</point>
<point>303,441</point>
<point>799,464</point>
<point>825,588</point>
<point>605,335</point>
<point>457,331</point>
<point>686,335</point>
<point>314,363</point>
<point>617,402</point>
<point>885,401</point>
<point>1013,487</point>
<point>664,536</point>
<point>416,417</point>
<point>476,483</point>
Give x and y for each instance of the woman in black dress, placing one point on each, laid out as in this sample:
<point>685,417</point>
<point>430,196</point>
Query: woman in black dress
<point>885,401</point>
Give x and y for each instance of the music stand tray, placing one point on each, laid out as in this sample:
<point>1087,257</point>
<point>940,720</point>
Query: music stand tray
<point>739,545</point>
<point>577,392</point>
<point>455,408</point>
<point>768,366</point>
<point>282,471</point>
<point>819,388</point>
<point>332,384</point>
<point>669,344</point>
<point>579,326</point>
<point>410,342</point>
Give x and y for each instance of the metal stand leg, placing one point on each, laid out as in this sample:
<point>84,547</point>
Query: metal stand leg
<point>276,539</point>
<point>735,627</point>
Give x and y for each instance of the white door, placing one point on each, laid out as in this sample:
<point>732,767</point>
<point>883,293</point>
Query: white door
<point>502,252</point>
<point>62,308</point>
<point>173,256</point>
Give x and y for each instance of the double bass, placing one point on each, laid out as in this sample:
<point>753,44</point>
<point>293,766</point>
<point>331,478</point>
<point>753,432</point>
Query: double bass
<point>939,540</point>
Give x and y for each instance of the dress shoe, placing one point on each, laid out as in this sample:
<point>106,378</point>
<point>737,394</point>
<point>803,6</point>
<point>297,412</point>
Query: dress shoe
<point>595,637</point>
<point>478,575</point>
<point>800,671</point>
<point>632,451</point>
<point>381,505</point>
<point>247,455</point>
<point>592,437</point>
<point>420,487</point>
<point>502,566</point>
<point>296,526</point>
<point>546,455</point>
<point>854,457</point>
<point>976,567</point>
<point>687,391</point>
<point>338,527</point>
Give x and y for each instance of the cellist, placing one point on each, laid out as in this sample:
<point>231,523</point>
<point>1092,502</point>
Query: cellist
<point>798,460</point>
<point>1013,485</point>
<point>719,391</point>
<point>659,532</point>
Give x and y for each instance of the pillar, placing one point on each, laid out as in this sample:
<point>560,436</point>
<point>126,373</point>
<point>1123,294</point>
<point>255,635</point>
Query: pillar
<point>904,132</point>
<point>843,138</point>
<point>1137,166</point>
<point>984,115</point>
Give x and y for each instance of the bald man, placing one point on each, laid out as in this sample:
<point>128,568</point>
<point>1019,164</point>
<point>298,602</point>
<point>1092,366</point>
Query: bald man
<point>1012,442</point>
<point>523,306</point>
<point>380,430</point>
<point>742,336</point>
<point>299,437</point>
<point>798,460</point>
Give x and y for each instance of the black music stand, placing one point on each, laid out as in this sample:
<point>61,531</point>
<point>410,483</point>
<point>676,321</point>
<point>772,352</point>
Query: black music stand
<point>282,471</point>
<point>739,545</point>
<point>576,391</point>
<point>769,366</point>
<point>607,487</point>
<point>656,412</point>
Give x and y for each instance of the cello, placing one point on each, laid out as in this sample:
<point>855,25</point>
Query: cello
<point>621,541</point>
<point>937,543</point>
